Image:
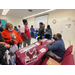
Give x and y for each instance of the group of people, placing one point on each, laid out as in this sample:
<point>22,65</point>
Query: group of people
<point>10,36</point>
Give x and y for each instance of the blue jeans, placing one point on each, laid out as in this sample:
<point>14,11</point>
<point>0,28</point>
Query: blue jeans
<point>32,34</point>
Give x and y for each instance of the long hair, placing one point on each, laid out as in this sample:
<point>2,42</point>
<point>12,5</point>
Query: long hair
<point>48,26</point>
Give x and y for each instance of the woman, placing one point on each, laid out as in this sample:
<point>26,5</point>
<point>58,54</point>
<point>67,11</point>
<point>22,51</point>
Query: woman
<point>32,31</point>
<point>48,32</point>
<point>11,36</point>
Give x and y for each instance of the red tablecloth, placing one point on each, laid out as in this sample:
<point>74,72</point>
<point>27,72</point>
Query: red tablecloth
<point>21,57</point>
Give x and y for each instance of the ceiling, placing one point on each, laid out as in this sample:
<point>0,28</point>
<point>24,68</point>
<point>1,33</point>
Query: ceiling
<point>22,12</point>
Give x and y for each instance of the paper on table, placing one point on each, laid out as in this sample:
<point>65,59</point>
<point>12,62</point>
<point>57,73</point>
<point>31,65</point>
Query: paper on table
<point>26,48</point>
<point>37,43</point>
<point>49,41</point>
<point>43,50</point>
<point>44,40</point>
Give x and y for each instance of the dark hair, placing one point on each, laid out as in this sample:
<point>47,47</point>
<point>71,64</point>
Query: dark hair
<point>48,26</point>
<point>0,20</point>
<point>18,25</point>
<point>59,35</point>
<point>31,25</point>
<point>24,21</point>
<point>41,23</point>
<point>15,26</point>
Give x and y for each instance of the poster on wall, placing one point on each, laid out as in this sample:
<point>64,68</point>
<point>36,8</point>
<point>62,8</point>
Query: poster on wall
<point>3,22</point>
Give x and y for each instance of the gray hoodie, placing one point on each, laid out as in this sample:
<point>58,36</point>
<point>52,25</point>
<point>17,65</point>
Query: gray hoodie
<point>48,31</point>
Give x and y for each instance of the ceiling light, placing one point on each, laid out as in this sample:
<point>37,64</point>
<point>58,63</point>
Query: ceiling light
<point>5,11</point>
<point>39,13</point>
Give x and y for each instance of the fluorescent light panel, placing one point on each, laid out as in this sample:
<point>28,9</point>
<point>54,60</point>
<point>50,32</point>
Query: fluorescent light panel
<point>39,13</point>
<point>5,11</point>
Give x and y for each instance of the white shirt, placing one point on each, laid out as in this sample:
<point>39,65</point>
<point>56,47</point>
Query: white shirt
<point>22,29</point>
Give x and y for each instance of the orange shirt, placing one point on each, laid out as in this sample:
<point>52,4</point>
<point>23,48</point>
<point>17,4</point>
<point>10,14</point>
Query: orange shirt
<point>8,35</point>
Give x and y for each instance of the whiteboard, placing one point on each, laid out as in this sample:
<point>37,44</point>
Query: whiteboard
<point>43,19</point>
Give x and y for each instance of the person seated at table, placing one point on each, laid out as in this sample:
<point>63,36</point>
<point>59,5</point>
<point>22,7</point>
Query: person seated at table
<point>32,31</point>
<point>3,47</point>
<point>48,32</point>
<point>41,32</point>
<point>11,36</point>
<point>57,48</point>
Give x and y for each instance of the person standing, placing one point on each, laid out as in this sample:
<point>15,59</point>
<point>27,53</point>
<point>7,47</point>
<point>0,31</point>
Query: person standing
<point>1,27</point>
<point>25,33</point>
<point>19,29</point>
<point>11,36</point>
<point>32,31</point>
<point>15,28</point>
<point>41,32</point>
<point>48,32</point>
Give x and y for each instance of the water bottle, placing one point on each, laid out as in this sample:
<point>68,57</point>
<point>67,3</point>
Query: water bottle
<point>13,58</point>
<point>20,45</point>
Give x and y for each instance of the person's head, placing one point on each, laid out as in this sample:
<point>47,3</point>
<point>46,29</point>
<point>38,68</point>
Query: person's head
<point>0,21</point>
<point>40,24</point>
<point>19,26</point>
<point>48,26</point>
<point>58,36</point>
<point>31,25</point>
<point>15,26</point>
<point>9,26</point>
<point>25,22</point>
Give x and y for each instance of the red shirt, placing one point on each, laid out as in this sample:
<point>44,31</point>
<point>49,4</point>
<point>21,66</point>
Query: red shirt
<point>27,32</point>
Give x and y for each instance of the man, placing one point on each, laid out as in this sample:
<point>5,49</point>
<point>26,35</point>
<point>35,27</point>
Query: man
<point>41,32</point>
<point>43,25</point>
<point>57,48</point>
<point>25,33</point>
<point>1,27</point>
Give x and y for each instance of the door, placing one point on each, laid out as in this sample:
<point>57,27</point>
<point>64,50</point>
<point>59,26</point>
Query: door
<point>67,30</point>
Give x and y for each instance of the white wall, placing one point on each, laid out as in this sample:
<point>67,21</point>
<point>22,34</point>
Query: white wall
<point>59,15</point>
<point>31,21</point>
<point>14,20</point>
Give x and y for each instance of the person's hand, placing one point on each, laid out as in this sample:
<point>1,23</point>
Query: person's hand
<point>48,43</point>
<point>3,43</point>
<point>7,45</point>
<point>27,38</point>
<point>11,42</point>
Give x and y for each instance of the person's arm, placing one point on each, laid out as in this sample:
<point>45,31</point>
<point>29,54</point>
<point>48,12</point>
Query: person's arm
<point>5,37</point>
<point>4,48</point>
<point>1,38</point>
<point>50,31</point>
<point>19,38</point>
<point>22,30</point>
<point>25,35</point>
<point>54,46</point>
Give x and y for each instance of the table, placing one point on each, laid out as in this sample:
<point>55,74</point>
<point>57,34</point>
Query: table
<point>21,57</point>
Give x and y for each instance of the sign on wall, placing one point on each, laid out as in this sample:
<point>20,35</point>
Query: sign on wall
<point>3,22</point>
